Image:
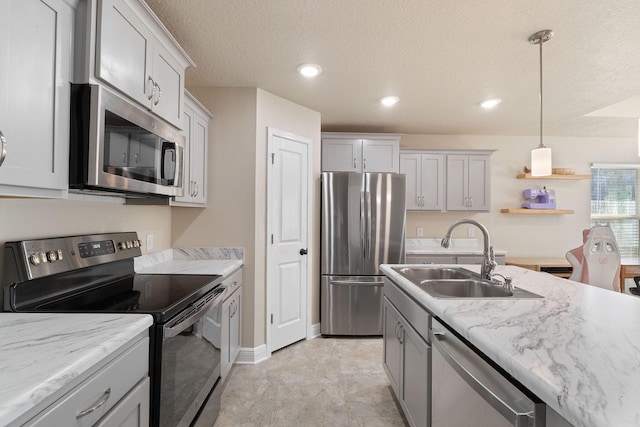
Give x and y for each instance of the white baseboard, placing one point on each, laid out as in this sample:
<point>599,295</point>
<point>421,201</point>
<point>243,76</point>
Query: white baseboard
<point>252,356</point>
<point>313,331</point>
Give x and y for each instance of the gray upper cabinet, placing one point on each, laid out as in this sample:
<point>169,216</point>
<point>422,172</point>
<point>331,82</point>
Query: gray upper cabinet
<point>425,181</point>
<point>353,152</point>
<point>129,49</point>
<point>468,182</point>
<point>35,47</point>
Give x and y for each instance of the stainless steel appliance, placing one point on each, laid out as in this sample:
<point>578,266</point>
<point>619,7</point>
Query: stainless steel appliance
<point>117,147</point>
<point>363,222</point>
<point>466,390</point>
<point>94,273</point>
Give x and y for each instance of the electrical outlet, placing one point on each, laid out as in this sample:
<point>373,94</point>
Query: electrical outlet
<point>149,242</point>
<point>419,232</point>
<point>471,232</point>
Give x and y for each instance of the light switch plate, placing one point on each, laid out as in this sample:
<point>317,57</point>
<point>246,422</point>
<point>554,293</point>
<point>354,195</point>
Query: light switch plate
<point>149,241</point>
<point>419,232</point>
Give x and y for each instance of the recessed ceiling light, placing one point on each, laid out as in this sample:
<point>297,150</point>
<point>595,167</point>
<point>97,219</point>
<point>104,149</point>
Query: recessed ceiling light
<point>309,70</point>
<point>490,103</point>
<point>388,101</point>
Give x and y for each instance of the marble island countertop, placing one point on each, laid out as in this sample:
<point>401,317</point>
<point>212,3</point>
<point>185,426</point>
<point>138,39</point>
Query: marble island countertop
<point>577,349</point>
<point>432,246</point>
<point>43,356</point>
<point>222,261</point>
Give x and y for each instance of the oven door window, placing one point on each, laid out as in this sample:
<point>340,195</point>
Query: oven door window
<point>189,360</point>
<point>133,152</point>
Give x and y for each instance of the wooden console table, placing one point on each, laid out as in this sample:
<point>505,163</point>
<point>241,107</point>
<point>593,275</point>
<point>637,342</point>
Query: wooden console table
<point>557,266</point>
<point>629,267</point>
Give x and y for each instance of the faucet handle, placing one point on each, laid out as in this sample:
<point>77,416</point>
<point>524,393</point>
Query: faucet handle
<point>507,284</point>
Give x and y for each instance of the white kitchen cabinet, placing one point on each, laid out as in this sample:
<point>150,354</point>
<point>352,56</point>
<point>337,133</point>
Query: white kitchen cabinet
<point>35,47</point>
<point>407,363</point>
<point>122,43</point>
<point>117,394</point>
<point>196,132</point>
<point>231,321</point>
<point>468,182</point>
<point>424,181</point>
<point>351,152</point>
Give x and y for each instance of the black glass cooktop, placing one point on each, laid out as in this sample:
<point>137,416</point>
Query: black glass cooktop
<point>163,295</point>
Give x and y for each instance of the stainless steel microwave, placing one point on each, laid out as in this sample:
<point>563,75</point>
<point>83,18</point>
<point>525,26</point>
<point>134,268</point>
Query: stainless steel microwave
<point>116,146</point>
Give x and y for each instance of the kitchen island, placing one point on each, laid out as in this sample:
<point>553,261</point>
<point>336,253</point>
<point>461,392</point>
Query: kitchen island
<point>43,357</point>
<point>577,348</point>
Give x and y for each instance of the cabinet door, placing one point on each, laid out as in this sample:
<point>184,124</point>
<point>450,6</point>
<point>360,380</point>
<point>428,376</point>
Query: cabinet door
<point>131,411</point>
<point>341,155</point>
<point>124,51</point>
<point>235,326</point>
<point>392,345</point>
<point>380,155</point>
<point>432,182</point>
<point>457,182</point>
<point>410,165</point>
<point>168,77</point>
<point>35,47</point>
<point>198,163</point>
<point>479,183</point>
<point>416,370</point>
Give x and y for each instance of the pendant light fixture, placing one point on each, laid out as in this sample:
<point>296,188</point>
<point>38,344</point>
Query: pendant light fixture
<point>541,156</point>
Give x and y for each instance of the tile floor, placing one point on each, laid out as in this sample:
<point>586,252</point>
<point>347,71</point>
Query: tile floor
<point>321,382</point>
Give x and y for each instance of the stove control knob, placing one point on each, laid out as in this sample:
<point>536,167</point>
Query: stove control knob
<point>122,245</point>
<point>129,244</point>
<point>52,256</point>
<point>136,243</point>
<point>60,255</point>
<point>38,258</point>
<point>139,243</point>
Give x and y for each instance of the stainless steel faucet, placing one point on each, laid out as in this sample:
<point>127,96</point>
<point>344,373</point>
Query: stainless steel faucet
<point>489,259</point>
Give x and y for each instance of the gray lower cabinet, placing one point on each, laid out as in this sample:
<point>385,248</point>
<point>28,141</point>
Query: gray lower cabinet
<point>231,322</point>
<point>117,394</point>
<point>407,364</point>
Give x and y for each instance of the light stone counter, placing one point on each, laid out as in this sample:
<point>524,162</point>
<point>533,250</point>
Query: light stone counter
<point>222,261</point>
<point>578,349</point>
<point>43,356</point>
<point>431,246</point>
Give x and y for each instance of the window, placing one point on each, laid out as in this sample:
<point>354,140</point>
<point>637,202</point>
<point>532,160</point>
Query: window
<point>614,200</point>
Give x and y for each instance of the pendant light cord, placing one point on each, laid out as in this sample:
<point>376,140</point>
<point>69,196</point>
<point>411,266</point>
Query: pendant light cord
<point>541,103</point>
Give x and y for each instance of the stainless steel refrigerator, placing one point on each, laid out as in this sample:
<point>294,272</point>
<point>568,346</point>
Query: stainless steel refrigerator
<point>363,222</point>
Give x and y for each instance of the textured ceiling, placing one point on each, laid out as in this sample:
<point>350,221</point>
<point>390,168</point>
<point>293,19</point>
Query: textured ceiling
<point>440,57</point>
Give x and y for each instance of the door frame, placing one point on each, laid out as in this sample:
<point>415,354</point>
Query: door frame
<point>271,133</point>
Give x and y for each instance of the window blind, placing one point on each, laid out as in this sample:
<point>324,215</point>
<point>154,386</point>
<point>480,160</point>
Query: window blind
<point>614,200</point>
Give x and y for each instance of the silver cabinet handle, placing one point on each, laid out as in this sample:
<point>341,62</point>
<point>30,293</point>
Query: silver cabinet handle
<point>355,165</point>
<point>99,403</point>
<point>159,93</point>
<point>418,201</point>
<point>153,88</point>
<point>422,201</point>
<point>197,188</point>
<point>470,202</point>
<point>3,149</point>
<point>364,164</point>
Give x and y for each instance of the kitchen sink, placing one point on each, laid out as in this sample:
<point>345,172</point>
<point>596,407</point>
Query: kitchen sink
<point>434,273</point>
<point>464,288</point>
<point>459,283</point>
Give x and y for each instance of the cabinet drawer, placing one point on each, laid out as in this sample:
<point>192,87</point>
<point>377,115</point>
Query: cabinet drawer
<point>108,385</point>
<point>233,282</point>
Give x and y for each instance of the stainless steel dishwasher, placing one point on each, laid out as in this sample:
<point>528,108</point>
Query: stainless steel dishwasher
<point>466,390</point>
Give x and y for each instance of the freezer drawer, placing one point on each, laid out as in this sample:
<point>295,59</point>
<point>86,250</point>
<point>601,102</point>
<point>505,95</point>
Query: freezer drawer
<point>351,305</point>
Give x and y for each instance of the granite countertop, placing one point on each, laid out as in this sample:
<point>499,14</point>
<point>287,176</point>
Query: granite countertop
<point>577,349</point>
<point>457,247</point>
<point>43,356</point>
<point>221,261</point>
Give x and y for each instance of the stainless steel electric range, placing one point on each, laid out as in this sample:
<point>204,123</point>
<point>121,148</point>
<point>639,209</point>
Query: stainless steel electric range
<point>95,273</point>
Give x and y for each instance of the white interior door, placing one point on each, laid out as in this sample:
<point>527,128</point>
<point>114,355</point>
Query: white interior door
<point>288,200</point>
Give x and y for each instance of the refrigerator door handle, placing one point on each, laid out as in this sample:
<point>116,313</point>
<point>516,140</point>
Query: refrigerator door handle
<point>363,228</point>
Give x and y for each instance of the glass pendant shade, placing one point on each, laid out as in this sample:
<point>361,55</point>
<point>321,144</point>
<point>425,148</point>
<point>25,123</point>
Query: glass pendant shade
<point>541,161</point>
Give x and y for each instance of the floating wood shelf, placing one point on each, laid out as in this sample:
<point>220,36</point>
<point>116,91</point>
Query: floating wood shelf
<point>555,176</point>
<point>537,211</point>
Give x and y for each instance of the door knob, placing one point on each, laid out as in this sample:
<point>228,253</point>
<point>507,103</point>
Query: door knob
<point>303,251</point>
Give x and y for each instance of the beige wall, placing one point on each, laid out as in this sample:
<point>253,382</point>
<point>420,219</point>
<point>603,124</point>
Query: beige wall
<point>22,219</point>
<point>525,235</point>
<point>236,211</point>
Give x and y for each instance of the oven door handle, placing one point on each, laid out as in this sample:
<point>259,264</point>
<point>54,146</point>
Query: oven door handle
<point>172,329</point>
